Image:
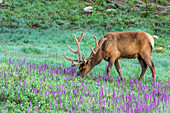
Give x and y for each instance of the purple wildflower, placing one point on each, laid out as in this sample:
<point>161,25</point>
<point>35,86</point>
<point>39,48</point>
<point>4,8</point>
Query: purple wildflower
<point>6,84</point>
<point>13,105</point>
<point>56,103</point>
<point>159,110</point>
<point>72,102</point>
<point>35,91</point>
<point>50,105</point>
<point>28,111</point>
<point>30,102</point>
<point>36,107</point>
<point>40,93</point>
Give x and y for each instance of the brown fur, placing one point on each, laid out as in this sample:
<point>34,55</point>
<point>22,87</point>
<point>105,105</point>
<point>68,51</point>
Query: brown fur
<point>119,45</point>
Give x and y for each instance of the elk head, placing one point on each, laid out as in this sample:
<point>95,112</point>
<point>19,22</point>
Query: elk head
<point>85,64</point>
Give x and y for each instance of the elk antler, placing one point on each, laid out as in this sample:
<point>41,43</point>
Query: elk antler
<point>79,61</point>
<point>101,41</point>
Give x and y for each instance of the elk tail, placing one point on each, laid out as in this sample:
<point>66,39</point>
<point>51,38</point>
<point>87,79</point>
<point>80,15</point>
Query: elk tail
<point>154,36</point>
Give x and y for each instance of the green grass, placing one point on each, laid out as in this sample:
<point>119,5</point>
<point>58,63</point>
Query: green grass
<point>132,15</point>
<point>50,45</point>
<point>27,88</point>
<point>70,14</point>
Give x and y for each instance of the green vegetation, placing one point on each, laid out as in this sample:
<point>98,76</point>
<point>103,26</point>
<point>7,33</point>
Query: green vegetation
<point>41,30</point>
<point>66,14</point>
<point>27,87</point>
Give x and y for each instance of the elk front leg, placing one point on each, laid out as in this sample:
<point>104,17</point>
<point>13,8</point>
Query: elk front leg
<point>109,67</point>
<point>117,65</point>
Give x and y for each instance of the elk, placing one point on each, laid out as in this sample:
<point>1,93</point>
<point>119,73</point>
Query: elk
<point>114,46</point>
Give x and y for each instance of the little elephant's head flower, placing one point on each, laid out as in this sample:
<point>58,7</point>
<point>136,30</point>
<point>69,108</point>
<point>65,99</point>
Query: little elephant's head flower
<point>40,93</point>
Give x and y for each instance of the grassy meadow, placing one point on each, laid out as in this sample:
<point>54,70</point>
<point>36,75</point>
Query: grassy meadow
<point>35,76</point>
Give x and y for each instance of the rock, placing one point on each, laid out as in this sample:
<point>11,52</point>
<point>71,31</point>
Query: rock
<point>109,10</point>
<point>158,49</point>
<point>88,9</point>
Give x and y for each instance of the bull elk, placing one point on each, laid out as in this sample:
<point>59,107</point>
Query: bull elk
<point>114,46</point>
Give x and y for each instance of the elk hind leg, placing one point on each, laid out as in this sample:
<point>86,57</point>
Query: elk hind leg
<point>149,62</point>
<point>143,65</point>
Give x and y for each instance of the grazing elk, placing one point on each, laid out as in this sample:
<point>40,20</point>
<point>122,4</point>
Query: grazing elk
<point>117,45</point>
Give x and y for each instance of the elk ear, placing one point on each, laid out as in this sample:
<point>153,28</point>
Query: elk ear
<point>88,62</point>
<point>73,65</point>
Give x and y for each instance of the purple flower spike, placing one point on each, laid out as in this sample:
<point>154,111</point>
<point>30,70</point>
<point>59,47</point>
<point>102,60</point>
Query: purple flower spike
<point>50,105</point>
<point>36,107</point>
<point>159,110</point>
<point>1,72</point>
<point>30,102</point>
<point>72,102</point>
<point>67,78</point>
<point>106,93</point>
<point>81,110</point>
<point>112,112</point>
<point>113,93</point>
<point>57,104</point>
<point>163,107</point>
<point>118,110</point>
<point>10,62</point>
<point>63,107</point>
<point>28,111</point>
<point>6,84</point>
<point>40,93</point>
<point>35,91</point>
<point>53,93</point>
